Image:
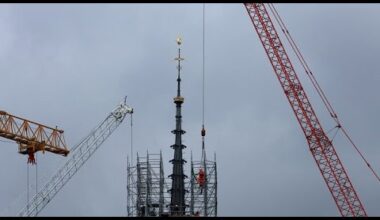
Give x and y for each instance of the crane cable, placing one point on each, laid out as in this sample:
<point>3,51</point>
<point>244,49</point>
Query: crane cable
<point>316,85</point>
<point>27,185</point>
<point>300,57</point>
<point>132,139</point>
<point>36,176</point>
<point>203,132</point>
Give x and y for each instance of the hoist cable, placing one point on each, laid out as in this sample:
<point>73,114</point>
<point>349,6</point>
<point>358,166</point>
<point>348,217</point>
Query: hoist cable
<point>132,139</point>
<point>36,175</point>
<point>361,155</point>
<point>203,68</point>
<point>27,184</point>
<point>203,132</point>
<point>336,132</point>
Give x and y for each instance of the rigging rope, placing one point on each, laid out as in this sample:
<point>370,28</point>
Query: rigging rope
<point>202,174</point>
<point>132,139</point>
<point>203,68</point>
<point>36,176</point>
<point>300,57</point>
<point>203,132</point>
<point>316,85</point>
<point>27,185</point>
<point>328,132</point>
<point>336,132</point>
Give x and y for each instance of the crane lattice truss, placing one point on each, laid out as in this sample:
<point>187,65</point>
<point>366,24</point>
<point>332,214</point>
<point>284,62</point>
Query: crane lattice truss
<point>320,146</point>
<point>32,136</point>
<point>80,154</point>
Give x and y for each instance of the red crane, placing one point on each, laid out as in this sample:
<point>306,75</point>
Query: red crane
<point>320,145</point>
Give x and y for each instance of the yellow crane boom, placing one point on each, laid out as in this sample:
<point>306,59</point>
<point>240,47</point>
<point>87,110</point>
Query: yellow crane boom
<point>32,136</point>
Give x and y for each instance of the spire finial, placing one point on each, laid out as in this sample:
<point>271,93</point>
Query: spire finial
<point>179,59</point>
<point>179,40</point>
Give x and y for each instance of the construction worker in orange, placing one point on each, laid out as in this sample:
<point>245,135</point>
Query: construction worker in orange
<point>201,179</point>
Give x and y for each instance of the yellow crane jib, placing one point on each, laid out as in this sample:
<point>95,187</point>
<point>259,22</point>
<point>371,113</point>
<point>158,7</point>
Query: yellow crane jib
<point>32,136</point>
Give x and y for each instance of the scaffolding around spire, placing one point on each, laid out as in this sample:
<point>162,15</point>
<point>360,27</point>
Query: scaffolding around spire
<point>147,188</point>
<point>203,198</point>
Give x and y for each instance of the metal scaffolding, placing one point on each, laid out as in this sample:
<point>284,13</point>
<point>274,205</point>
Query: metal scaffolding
<point>147,187</point>
<point>203,199</point>
<point>148,191</point>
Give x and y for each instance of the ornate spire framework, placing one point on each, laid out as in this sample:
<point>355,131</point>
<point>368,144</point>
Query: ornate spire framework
<point>177,204</point>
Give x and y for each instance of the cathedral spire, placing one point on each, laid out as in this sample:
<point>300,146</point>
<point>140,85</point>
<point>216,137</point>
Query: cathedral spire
<point>177,204</point>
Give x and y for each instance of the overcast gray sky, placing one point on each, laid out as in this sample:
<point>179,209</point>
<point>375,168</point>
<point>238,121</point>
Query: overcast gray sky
<point>70,65</point>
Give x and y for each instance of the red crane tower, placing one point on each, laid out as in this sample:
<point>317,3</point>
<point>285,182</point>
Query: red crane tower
<point>320,145</point>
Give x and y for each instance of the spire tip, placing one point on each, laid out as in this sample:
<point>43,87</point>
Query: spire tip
<point>179,41</point>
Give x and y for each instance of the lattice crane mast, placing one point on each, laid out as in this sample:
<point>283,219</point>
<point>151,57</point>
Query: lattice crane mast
<point>79,155</point>
<point>32,136</point>
<point>320,145</point>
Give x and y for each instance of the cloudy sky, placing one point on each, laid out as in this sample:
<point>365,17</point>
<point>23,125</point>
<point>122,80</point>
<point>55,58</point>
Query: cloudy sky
<point>69,65</point>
